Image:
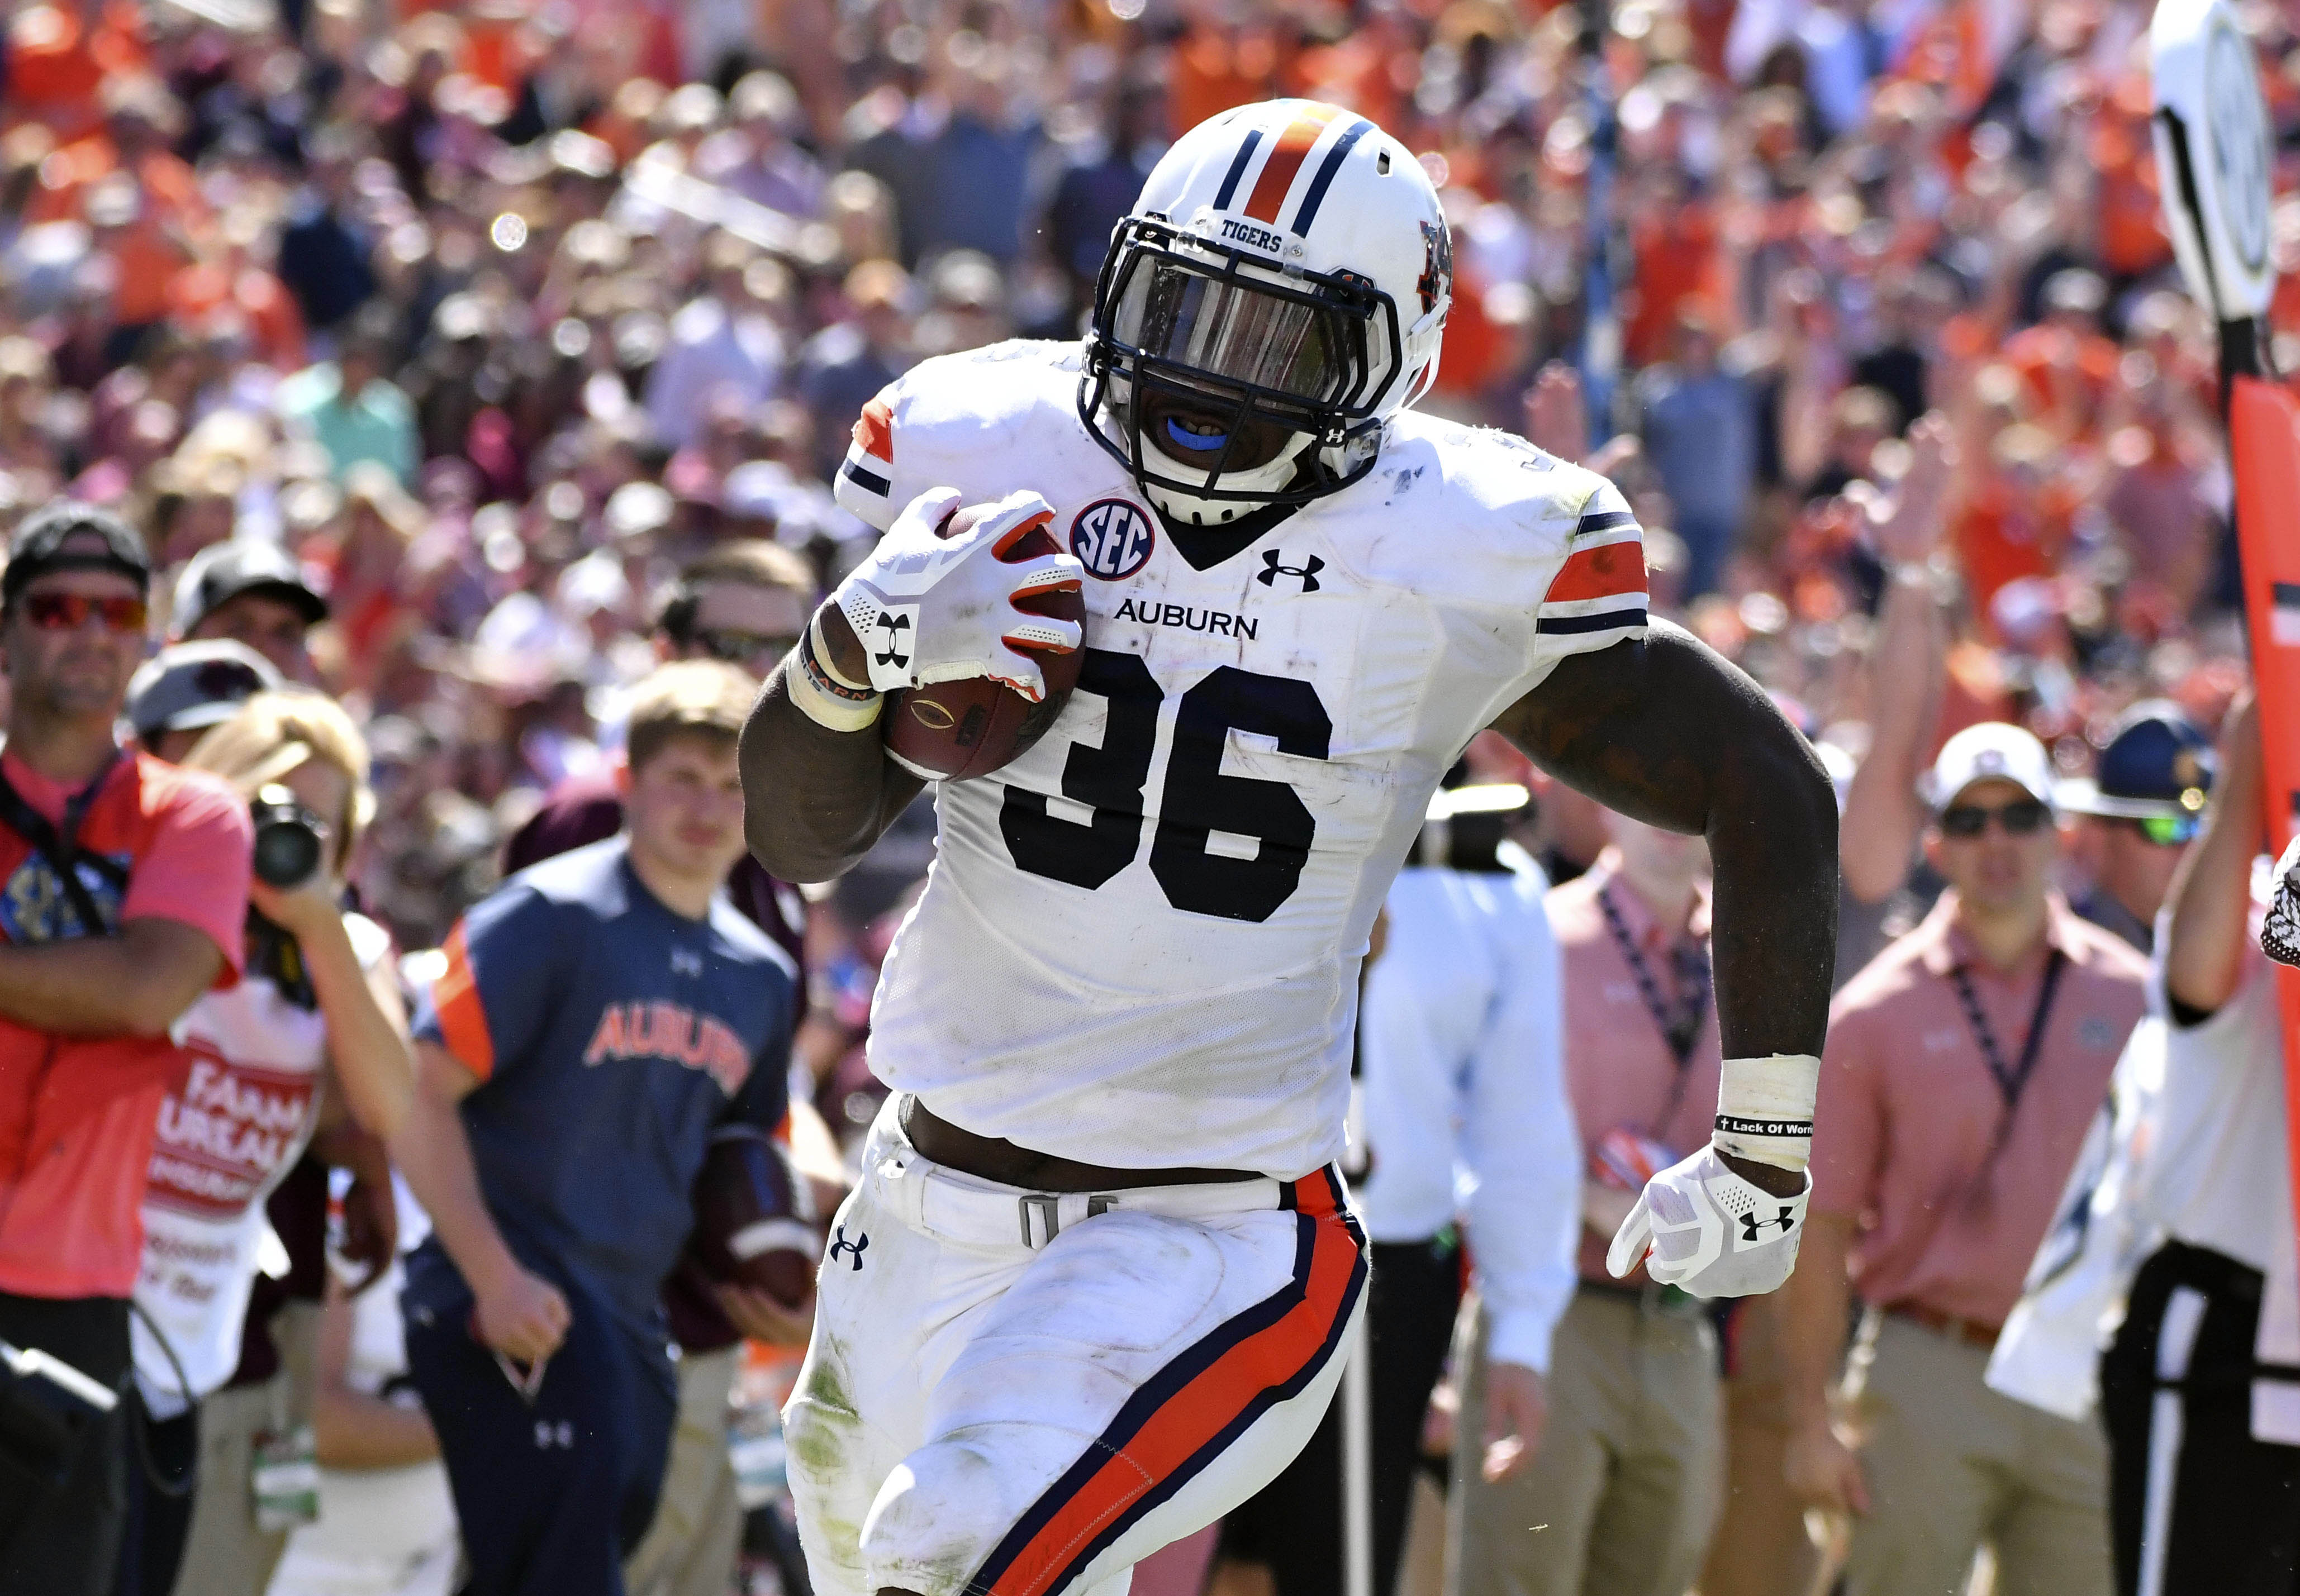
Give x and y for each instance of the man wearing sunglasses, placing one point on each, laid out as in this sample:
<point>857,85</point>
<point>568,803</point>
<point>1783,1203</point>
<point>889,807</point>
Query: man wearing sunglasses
<point>123,890</point>
<point>2142,808</point>
<point>1962,1070</point>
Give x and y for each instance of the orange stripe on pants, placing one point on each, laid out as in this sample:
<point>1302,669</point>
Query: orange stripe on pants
<point>1195,1416</point>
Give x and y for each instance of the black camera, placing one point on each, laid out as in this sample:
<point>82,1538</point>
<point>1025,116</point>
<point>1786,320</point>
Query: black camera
<point>290,840</point>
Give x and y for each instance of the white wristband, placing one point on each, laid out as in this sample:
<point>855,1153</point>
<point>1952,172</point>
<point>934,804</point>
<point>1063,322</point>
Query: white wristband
<point>823,696</point>
<point>1765,1108</point>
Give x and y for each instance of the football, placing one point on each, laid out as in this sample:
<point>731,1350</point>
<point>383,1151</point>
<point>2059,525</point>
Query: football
<point>954,730</point>
<point>755,1219</point>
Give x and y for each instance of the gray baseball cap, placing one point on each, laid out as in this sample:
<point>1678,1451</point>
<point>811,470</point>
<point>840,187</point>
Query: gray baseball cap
<point>189,685</point>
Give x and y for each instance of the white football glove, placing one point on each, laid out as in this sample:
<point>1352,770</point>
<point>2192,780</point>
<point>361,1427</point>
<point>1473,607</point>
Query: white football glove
<point>1712,1233</point>
<point>931,609</point>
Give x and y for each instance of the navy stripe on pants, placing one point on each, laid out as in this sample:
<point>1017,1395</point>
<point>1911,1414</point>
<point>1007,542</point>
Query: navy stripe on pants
<point>551,1495</point>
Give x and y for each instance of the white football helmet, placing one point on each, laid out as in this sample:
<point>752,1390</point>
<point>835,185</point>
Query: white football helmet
<point>1286,264</point>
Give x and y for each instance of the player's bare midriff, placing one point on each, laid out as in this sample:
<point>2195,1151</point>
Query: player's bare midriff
<point>991,1158</point>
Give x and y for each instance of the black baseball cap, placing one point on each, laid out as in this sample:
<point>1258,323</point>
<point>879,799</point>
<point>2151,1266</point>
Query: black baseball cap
<point>187,685</point>
<point>68,535</point>
<point>222,572</point>
<point>2159,764</point>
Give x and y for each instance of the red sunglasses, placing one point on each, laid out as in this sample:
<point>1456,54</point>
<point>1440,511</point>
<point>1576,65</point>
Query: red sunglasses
<point>69,611</point>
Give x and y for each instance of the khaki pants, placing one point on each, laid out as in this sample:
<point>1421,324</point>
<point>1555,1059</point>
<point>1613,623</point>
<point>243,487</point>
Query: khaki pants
<point>1621,1493</point>
<point>690,1548</point>
<point>1952,1465</point>
<point>225,1554</point>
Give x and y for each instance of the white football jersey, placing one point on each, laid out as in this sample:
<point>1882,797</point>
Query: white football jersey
<point>1138,945</point>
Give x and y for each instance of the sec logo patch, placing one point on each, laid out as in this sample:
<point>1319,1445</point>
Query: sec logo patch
<point>1112,538</point>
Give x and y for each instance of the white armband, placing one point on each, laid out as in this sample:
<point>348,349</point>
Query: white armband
<point>1765,1108</point>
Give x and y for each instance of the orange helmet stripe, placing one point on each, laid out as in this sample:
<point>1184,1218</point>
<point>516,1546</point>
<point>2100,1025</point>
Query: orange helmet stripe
<point>1286,158</point>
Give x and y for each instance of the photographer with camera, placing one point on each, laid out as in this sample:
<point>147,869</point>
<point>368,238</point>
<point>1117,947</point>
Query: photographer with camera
<point>313,1038</point>
<point>123,887</point>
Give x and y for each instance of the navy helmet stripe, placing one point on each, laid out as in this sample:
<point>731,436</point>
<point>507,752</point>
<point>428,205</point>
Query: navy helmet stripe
<point>1238,169</point>
<point>1324,180</point>
<point>869,480</point>
<point>1603,620</point>
<point>1603,521</point>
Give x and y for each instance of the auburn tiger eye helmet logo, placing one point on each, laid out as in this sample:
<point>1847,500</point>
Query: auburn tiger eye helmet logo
<point>1437,279</point>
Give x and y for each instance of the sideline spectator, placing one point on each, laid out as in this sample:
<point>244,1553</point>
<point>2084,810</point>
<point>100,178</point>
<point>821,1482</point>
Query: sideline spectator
<point>2202,1419</point>
<point>1962,1070</point>
<point>1460,1040</point>
<point>1626,1481</point>
<point>2143,806</point>
<point>535,1302</point>
<point>125,885</point>
<point>386,1523</point>
<point>179,694</point>
<point>743,604</point>
<point>249,591</point>
<point>313,1037</point>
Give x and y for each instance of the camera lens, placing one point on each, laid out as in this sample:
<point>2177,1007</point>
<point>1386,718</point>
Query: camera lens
<point>288,841</point>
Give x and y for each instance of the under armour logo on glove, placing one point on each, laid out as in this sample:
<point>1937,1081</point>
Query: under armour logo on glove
<point>1753,1227</point>
<point>1683,1219</point>
<point>1306,571</point>
<point>930,609</point>
<point>894,654</point>
<point>862,1240</point>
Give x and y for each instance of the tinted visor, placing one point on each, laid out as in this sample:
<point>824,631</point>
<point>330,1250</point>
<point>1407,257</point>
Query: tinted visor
<point>1276,344</point>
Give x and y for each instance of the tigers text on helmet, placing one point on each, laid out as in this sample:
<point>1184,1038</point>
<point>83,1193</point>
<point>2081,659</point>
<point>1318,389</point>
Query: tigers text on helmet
<point>1286,274</point>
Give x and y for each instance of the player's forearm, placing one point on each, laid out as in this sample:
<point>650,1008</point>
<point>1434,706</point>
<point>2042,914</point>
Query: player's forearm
<point>815,800</point>
<point>367,1041</point>
<point>2210,895</point>
<point>1772,844</point>
<point>1812,1305</point>
<point>434,1153</point>
<point>137,984</point>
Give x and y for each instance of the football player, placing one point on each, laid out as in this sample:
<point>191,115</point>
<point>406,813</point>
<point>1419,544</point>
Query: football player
<point>1089,1292</point>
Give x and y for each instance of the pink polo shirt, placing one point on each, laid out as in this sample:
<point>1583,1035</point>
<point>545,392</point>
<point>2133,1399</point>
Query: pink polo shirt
<point>1618,1065</point>
<point>1909,1109</point>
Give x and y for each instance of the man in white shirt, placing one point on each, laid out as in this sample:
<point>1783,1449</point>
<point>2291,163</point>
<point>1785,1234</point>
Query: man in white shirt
<point>1466,1113</point>
<point>2198,1391</point>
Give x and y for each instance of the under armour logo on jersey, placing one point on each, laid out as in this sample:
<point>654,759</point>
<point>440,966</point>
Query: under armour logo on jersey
<point>841,1245</point>
<point>1753,1227</point>
<point>560,1434</point>
<point>897,628</point>
<point>685,961</point>
<point>1307,571</point>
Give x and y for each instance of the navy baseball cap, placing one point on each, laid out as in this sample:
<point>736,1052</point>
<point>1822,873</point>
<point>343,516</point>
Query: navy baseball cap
<point>2159,766</point>
<point>70,535</point>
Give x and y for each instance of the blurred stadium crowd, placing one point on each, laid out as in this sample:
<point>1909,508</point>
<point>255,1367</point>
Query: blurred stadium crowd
<point>494,317</point>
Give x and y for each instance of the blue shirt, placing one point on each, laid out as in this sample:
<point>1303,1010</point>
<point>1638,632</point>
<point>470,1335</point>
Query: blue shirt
<point>612,1036</point>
